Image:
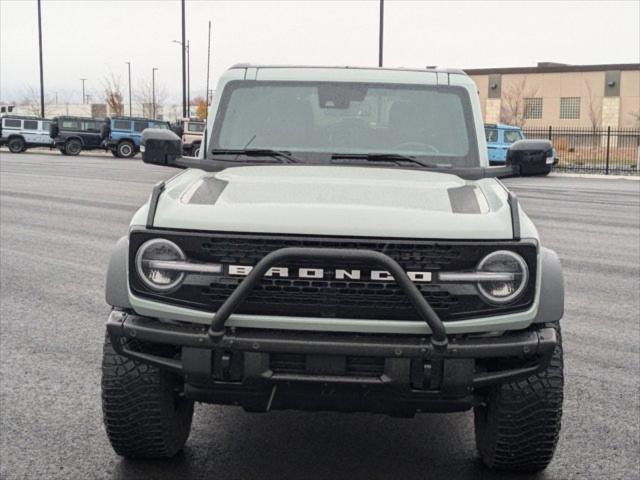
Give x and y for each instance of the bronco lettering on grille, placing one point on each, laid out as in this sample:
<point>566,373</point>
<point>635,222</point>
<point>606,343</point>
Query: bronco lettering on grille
<point>322,274</point>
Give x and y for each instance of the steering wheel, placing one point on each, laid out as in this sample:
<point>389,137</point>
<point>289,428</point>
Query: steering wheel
<point>417,146</point>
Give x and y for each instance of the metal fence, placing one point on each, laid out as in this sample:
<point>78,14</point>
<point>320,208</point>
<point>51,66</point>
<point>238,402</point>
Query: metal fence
<point>586,150</point>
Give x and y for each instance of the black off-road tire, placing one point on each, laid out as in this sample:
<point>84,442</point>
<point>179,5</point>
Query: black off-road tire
<point>16,145</point>
<point>518,428</point>
<point>73,147</point>
<point>144,412</point>
<point>126,149</point>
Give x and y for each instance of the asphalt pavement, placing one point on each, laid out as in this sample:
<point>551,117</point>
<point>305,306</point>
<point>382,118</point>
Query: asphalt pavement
<point>60,217</point>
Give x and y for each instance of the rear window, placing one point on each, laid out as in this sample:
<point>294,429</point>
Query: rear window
<point>195,127</point>
<point>140,126</point>
<point>122,125</point>
<point>12,123</point>
<point>30,124</point>
<point>491,134</point>
<point>90,126</point>
<point>511,136</point>
<point>71,124</point>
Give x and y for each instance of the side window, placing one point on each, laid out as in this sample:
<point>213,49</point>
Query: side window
<point>30,124</point>
<point>491,134</point>
<point>511,136</point>
<point>12,123</point>
<point>70,125</point>
<point>140,126</point>
<point>46,126</point>
<point>90,126</point>
<point>122,125</point>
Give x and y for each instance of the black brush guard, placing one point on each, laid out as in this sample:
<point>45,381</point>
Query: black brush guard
<point>198,342</point>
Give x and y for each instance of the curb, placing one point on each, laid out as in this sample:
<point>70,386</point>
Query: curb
<point>596,175</point>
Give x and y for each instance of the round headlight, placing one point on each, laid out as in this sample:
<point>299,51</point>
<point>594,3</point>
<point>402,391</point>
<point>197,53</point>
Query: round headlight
<point>155,278</point>
<point>503,291</point>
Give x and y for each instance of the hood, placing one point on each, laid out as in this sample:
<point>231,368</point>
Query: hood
<point>335,200</point>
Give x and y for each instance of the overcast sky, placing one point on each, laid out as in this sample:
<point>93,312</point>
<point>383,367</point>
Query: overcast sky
<point>92,38</point>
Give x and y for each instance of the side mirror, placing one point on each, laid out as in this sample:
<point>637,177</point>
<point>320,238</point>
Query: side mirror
<point>160,146</point>
<point>530,157</point>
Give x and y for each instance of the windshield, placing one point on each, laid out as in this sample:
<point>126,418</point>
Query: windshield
<point>317,120</point>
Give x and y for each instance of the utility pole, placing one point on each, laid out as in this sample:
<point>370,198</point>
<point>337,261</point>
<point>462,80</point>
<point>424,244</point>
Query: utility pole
<point>129,68</point>
<point>188,81</point>
<point>381,33</point>
<point>153,91</point>
<point>41,72</point>
<point>83,95</point>
<point>184,65</point>
<point>206,101</point>
<point>208,63</point>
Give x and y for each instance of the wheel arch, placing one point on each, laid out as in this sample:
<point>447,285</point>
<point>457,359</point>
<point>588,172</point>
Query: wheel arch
<point>551,308</point>
<point>117,290</point>
<point>74,137</point>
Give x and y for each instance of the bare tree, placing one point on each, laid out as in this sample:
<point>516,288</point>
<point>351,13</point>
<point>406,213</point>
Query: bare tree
<point>31,100</point>
<point>513,105</point>
<point>113,94</point>
<point>594,108</point>
<point>144,94</point>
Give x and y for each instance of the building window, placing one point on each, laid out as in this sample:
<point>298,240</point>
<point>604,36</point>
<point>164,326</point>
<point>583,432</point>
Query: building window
<point>533,108</point>
<point>570,107</point>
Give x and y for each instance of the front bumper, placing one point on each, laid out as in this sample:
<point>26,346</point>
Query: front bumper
<point>248,367</point>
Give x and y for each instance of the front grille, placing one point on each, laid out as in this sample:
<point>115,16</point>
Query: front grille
<point>331,297</point>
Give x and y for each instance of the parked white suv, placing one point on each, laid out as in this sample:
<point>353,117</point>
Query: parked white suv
<point>20,133</point>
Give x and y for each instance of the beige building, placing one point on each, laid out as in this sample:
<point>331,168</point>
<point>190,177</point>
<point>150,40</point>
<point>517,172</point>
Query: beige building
<point>559,95</point>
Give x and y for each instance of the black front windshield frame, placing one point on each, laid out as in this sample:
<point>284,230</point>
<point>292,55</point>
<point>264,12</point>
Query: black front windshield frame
<point>470,160</point>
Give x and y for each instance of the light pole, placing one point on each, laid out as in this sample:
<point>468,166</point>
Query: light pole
<point>83,96</point>
<point>129,68</point>
<point>184,65</point>
<point>381,33</point>
<point>153,91</point>
<point>41,72</point>
<point>188,73</point>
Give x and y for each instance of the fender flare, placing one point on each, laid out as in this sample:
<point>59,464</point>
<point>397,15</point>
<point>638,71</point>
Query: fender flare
<point>551,308</point>
<point>117,289</point>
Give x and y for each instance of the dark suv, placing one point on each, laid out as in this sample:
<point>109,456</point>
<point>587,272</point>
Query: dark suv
<point>71,135</point>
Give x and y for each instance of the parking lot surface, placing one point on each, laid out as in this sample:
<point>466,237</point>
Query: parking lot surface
<point>60,217</point>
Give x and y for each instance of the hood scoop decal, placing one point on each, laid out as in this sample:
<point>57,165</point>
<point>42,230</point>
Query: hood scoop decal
<point>205,191</point>
<point>467,199</point>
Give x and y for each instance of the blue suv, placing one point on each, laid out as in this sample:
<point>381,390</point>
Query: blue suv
<point>499,138</point>
<point>121,135</point>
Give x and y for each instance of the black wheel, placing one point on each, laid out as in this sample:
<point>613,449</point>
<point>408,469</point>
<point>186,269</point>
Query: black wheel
<point>125,149</point>
<point>144,412</point>
<point>518,426</point>
<point>62,151</point>
<point>196,150</point>
<point>73,147</point>
<point>16,145</point>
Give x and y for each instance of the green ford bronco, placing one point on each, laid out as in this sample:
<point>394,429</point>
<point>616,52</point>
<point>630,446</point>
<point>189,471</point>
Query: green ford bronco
<point>340,243</point>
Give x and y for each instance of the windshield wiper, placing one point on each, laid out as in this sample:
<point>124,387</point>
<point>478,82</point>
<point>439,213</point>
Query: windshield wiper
<point>258,152</point>
<point>387,157</point>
